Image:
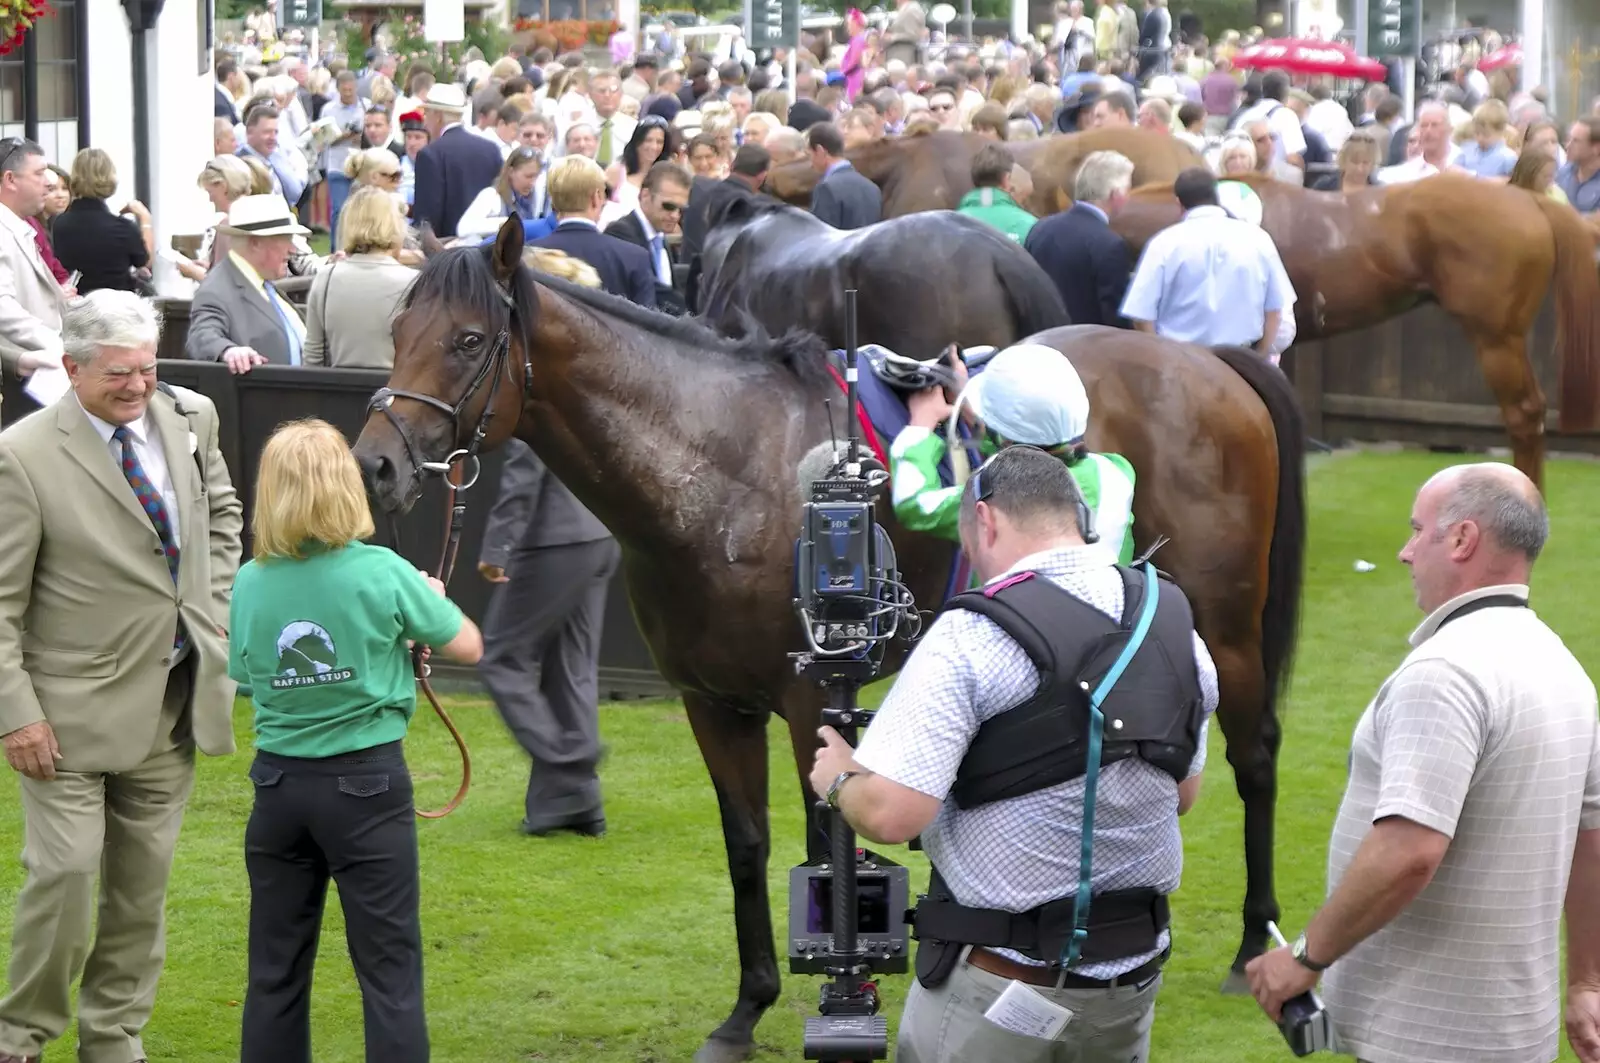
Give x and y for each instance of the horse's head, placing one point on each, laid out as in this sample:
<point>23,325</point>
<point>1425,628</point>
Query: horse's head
<point>460,369</point>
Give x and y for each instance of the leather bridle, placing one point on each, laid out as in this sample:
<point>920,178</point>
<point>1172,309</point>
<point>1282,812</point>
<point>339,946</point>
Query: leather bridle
<point>495,368</point>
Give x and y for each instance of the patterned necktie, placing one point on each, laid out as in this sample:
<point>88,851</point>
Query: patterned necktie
<point>149,498</point>
<point>658,249</point>
<point>291,334</point>
<point>603,156</point>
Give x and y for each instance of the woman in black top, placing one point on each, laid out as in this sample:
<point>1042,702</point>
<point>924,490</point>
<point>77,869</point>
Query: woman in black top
<point>105,248</point>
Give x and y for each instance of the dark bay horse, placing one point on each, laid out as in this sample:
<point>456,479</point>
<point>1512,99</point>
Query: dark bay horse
<point>917,292</point>
<point>1487,253</point>
<point>932,171</point>
<point>686,443</point>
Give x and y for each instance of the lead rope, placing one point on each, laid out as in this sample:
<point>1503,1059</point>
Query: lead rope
<point>1091,776</point>
<point>456,510</point>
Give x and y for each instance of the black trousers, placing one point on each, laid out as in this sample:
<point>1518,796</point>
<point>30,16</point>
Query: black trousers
<point>349,818</point>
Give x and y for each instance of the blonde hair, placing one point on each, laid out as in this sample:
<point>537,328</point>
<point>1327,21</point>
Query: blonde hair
<point>573,181</point>
<point>381,92</point>
<point>519,157</point>
<point>560,264</point>
<point>505,68</point>
<point>94,176</point>
<point>1360,142</point>
<point>370,222</point>
<point>308,491</point>
<point>1491,117</point>
<point>231,172</point>
<point>260,176</point>
<point>362,166</point>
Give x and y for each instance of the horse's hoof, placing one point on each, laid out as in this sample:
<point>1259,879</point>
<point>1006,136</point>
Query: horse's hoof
<point>717,1050</point>
<point>1237,984</point>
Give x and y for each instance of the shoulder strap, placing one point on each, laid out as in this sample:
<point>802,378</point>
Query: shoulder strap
<point>1149,592</point>
<point>1008,603</point>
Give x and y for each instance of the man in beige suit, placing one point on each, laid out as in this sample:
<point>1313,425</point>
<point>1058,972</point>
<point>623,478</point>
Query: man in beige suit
<point>117,554</point>
<point>31,302</point>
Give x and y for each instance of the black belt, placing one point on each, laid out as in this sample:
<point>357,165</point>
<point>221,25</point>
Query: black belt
<point>1052,977</point>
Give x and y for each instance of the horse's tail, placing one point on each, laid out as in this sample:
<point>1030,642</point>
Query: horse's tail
<point>1035,302</point>
<point>1280,616</point>
<point>1576,288</point>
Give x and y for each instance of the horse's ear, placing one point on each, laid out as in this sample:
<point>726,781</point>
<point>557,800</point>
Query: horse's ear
<point>508,249</point>
<point>431,244</point>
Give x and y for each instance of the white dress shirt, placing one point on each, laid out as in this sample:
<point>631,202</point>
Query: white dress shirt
<point>151,458</point>
<point>658,256</point>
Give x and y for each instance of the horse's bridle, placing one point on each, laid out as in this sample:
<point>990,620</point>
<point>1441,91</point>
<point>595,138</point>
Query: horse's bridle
<point>495,367</point>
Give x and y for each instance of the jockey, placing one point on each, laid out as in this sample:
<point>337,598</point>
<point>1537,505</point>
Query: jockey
<point>1029,394</point>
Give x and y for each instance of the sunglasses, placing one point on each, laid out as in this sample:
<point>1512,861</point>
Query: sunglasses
<point>670,207</point>
<point>524,154</point>
<point>9,147</point>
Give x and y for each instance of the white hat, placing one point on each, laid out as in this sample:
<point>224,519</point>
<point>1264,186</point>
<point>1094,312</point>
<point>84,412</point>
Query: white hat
<point>446,96</point>
<point>1165,86</point>
<point>1030,394</point>
<point>267,215</point>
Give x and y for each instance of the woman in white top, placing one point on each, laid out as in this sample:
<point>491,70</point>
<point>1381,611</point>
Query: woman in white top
<point>224,179</point>
<point>653,140</point>
<point>518,190</point>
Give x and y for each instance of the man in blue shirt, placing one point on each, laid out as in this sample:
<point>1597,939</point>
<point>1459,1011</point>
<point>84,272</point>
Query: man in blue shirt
<point>1210,279</point>
<point>1580,177</point>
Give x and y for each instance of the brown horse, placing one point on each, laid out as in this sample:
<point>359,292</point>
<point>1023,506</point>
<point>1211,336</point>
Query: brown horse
<point>1487,253</point>
<point>933,171</point>
<point>686,445</point>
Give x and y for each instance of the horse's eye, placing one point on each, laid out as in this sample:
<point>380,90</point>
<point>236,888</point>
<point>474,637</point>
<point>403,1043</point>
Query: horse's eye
<point>471,341</point>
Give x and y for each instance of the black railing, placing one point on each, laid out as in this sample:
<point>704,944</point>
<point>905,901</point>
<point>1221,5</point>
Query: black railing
<point>251,406</point>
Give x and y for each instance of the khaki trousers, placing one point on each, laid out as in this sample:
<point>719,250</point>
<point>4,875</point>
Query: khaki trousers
<point>123,827</point>
<point>946,1025</point>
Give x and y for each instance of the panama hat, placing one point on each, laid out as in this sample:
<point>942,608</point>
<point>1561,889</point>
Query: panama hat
<point>267,215</point>
<point>445,96</point>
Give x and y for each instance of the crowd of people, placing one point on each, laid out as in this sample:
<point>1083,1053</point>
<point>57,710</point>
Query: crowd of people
<point>615,171</point>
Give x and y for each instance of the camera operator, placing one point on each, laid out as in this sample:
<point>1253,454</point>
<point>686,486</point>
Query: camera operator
<point>924,765</point>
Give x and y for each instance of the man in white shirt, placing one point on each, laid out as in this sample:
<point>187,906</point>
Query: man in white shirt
<point>1211,279</point>
<point>1438,152</point>
<point>1289,142</point>
<point>31,302</point>
<point>1474,792</point>
<point>613,128</point>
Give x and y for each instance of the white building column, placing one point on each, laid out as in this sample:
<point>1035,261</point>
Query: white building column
<point>1019,20</point>
<point>1531,26</point>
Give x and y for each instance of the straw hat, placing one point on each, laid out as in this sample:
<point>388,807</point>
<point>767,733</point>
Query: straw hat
<point>446,96</point>
<point>267,215</point>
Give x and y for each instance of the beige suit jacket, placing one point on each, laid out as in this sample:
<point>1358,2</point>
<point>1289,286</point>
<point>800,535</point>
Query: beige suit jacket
<point>88,609</point>
<point>31,302</point>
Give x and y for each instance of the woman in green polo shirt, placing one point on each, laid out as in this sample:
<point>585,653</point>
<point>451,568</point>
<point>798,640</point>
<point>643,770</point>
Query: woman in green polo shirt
<point>320,628</point>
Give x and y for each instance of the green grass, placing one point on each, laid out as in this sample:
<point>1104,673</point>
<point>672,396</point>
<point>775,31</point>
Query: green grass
<point>622,951</point>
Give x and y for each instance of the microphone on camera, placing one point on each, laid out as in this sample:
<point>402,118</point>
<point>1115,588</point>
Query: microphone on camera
<point>822,462</point>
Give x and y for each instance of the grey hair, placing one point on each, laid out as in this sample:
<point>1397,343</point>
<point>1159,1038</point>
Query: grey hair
<point>1101,174</point>
<point>107,317</point>
<point>1502,506</point>
<point>1026,484</point>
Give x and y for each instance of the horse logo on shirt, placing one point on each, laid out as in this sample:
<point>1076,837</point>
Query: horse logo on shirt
<point>307,657</point>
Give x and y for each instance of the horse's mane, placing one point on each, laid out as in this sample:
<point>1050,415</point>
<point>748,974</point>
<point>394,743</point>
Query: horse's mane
<point>742,209</point>
<point>463,276</point>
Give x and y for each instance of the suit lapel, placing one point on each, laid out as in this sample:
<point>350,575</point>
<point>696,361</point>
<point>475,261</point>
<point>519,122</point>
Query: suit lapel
<point>30,253</point>
<point>173,432</point>
<point>86,447</point>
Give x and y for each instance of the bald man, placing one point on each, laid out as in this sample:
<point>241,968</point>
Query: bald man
<point>1474,792</point>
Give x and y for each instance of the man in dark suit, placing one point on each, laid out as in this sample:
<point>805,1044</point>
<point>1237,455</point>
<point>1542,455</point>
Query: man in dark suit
<point>577,188</point>
<point>1089,263</point>
<point>541,638</point>
<point>843,198</point>
<point>748,174</point>
<point>456,165</point>
<point>662,200</point>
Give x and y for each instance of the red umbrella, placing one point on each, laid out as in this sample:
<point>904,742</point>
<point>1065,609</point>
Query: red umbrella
<point>1310,57</point>
<point>1510,55</point>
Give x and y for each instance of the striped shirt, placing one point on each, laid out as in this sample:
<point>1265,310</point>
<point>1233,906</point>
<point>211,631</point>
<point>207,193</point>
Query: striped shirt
<point>1022,852</point>
<point>1487,733</point>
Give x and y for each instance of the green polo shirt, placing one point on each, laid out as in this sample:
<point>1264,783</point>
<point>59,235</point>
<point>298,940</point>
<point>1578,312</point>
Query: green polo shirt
<point>321,642</point>
<point>996,208</point>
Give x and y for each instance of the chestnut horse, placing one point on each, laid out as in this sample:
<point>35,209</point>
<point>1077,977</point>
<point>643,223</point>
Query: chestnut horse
<point>932,171</point>
<point>1487,253</point>
<point>686,444</point>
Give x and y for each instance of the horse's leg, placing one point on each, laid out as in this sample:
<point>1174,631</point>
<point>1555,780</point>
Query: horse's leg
<point>1504,359</point>
<point>802,709</point>
<point>1253,737</point>
<point>733,742</point>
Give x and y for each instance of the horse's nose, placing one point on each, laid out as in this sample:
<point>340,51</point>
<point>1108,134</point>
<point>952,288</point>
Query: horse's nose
<point>380,475</point>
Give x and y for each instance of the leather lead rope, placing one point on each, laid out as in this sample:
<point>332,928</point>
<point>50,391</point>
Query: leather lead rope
<point>456,510</point>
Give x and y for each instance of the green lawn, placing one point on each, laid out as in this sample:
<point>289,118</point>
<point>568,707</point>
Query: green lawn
<point>621,950</point>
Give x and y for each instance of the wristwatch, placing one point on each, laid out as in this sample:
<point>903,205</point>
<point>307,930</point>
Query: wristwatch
<point>833,791</point>
<point>1298,951</point>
